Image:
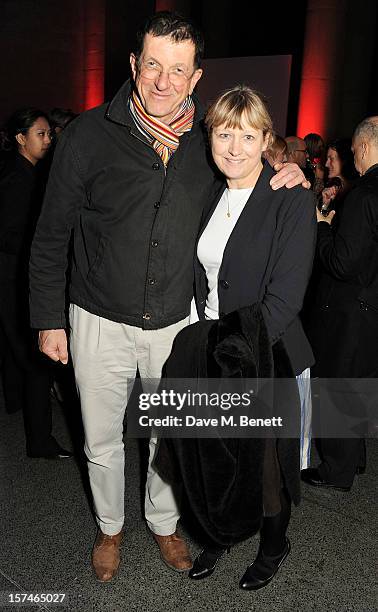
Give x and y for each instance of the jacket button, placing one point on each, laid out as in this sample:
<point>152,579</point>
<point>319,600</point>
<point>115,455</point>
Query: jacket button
<point>151,281</point>
<point>147,316</point>
<point>154,243</point>
<point>155,166</point>
<point>325,307</point>
<point>224,284</point>
<point>157,205</point>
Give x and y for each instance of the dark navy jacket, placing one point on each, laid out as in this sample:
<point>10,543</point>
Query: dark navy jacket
<point>268,260</point>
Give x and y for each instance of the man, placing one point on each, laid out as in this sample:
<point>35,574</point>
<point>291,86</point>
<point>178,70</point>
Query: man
<point>131,178</point>
<point>297,154</point>
<point>296,151</point>
<point>343,327</point>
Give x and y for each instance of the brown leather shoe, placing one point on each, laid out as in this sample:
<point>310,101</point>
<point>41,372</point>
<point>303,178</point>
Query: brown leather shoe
<point>105,556</point>
<point>174,552</point>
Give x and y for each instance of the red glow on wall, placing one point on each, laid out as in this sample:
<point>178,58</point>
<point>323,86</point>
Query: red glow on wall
<point>165,5</point>
<point>94,53</point>
<point>312,110</point>
<point>94,90</point>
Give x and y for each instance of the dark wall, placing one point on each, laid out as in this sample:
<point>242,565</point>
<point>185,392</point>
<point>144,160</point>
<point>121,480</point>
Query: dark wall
<point>123,18</point>
<point>42,47</point>
<point>373,91</point>
<point>248,31</point>
<point>258,28</point>
<point>41,50</point>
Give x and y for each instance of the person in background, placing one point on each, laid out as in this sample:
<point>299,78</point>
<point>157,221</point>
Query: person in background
<point>341,174</point>
<point>59,119</point>
<point>26,376</point>
<point>296,150</point>
<point>343,326</point>
<point>316,152</point>
<point>297,153</point>
<point>276,153</point>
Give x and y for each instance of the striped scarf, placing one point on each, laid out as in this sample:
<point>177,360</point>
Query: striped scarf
<point>164,138</point>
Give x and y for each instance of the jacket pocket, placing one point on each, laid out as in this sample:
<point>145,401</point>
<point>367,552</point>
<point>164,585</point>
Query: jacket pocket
<point>99,258</point>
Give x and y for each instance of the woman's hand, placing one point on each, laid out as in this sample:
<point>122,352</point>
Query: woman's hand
<point>329,194</point>
<point>328,218</point>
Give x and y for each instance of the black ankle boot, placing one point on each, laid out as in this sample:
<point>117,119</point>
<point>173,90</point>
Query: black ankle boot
<point>263,569</point>
<point>204,565</point>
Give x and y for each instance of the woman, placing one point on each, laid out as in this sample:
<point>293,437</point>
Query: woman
<point>316,149</point>
<point>255,255</point>
<point>26,140</point>
<point>341,174</point>
<point>341,177</point>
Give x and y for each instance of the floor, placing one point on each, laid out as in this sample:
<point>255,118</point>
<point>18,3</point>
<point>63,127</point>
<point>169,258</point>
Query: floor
<point>48,531</point>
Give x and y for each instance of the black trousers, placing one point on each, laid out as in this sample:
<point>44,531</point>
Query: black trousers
<point>339,405</point>
<point>340,459</point>
<point>26,373</point>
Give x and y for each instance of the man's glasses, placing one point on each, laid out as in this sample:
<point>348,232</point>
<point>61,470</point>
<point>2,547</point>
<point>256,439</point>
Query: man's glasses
<point>152,70</point>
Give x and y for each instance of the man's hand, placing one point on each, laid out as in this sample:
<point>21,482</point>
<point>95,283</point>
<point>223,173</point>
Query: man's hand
<point>53,343</point>
<point>288,175</point>
<point>328,218</point>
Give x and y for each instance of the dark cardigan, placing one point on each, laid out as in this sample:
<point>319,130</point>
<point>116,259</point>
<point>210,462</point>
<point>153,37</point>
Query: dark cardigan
<point>223,477</point>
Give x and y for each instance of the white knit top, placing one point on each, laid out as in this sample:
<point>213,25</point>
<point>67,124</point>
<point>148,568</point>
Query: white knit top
<point>214,239</point>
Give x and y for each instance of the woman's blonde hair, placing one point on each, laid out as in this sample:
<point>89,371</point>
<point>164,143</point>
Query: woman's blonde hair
<point>238,107</point>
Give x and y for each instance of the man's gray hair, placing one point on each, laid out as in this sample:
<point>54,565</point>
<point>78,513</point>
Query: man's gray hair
<point>368,130</point>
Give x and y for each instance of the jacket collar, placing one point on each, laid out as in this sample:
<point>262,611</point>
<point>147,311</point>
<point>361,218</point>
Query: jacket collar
<point>372,171</point>
<point>262,187</point>
<point>118,109</point>
<point>259,193</point>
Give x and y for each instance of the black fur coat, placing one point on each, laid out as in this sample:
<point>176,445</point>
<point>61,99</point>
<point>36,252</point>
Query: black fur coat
<point>223,477</point>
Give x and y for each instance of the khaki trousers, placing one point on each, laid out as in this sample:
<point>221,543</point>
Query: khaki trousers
<point>106,356</point>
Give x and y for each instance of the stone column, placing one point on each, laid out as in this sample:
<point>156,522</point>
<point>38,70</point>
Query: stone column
<point>321,83</point>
